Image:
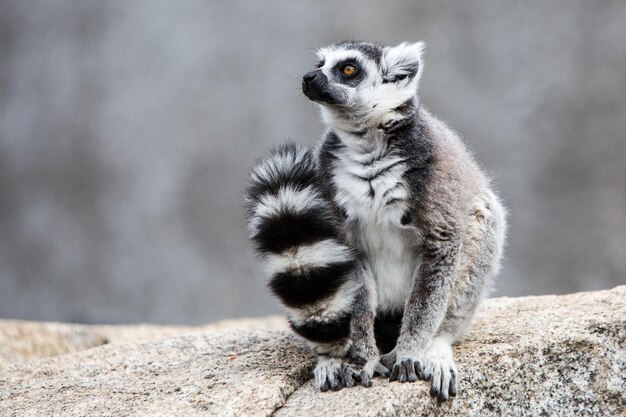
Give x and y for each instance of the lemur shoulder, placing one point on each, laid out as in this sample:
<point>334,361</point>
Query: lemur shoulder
<point>387,236</point>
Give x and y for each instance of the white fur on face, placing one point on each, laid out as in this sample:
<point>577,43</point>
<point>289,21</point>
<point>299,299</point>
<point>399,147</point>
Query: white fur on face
<point>372,102</point>
<point>399,59</point>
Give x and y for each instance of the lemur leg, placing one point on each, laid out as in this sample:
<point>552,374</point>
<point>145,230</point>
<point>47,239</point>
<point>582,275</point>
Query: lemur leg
<point>364,353</point>
<point>355,360</point>
<point>478,263</point>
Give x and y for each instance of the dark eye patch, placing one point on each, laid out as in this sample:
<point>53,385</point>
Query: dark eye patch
<point>352,80</point>
<point>321,64</point>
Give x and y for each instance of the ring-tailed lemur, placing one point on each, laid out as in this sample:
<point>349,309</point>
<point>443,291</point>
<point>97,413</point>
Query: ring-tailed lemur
<point>389,235</point>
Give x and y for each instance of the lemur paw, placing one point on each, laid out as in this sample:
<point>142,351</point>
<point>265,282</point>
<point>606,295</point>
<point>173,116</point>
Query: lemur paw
<point>441,370</point>
<point>443,379</point>
<point>361,371</point>
<point>400,369</point>
<point>436,365</point>
<point>388,359</point>
<point>371,367</point>
<point>407,369</point>
<point>335,374</point>
<point>328,374</point>
<point>353,376</point>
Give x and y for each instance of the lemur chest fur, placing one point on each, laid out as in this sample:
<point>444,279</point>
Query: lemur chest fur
<point>372,191</point>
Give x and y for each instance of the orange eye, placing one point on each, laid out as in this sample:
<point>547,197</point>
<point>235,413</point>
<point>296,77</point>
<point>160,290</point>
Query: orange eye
<point>348,70</point>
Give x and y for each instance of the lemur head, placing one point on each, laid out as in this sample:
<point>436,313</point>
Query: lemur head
<point>362,85</point>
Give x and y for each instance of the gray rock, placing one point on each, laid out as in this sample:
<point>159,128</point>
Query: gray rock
<point>28,339</point>
<point>548,355</point>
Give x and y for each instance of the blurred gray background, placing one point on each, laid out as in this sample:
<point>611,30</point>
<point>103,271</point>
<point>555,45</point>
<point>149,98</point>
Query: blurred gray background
<point>127,129</point>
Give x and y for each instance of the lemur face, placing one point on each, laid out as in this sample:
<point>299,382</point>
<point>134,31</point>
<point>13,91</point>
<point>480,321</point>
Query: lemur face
<point>361,85</point>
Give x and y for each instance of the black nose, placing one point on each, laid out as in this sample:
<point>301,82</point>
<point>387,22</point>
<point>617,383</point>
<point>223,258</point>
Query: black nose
<point>310,76</point>
<point>315,86</point>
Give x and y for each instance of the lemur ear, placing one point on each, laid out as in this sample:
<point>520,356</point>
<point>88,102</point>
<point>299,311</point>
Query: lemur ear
<point>402,62</point>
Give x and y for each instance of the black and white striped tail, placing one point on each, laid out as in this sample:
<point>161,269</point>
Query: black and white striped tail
<point>294,229</point>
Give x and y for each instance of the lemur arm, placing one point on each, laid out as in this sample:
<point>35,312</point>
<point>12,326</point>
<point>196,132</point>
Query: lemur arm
<point>427,304</point>
<point>428,301</point>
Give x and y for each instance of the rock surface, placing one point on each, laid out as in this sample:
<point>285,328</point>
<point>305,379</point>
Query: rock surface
<point>548,355</point>
<point>29,340</point>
